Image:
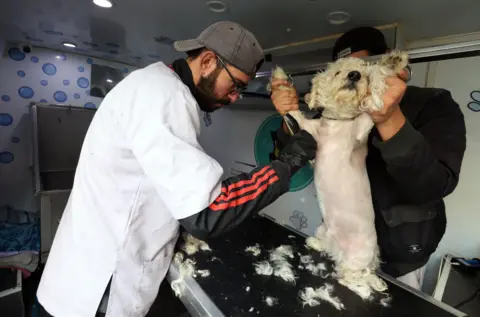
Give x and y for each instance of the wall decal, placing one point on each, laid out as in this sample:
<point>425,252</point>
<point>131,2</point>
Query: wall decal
<point>299,220</point>
<point>5,119</point>
<point>475,104</point>
<point>16,54</point>
<point>21,73</point>
<point>76,96</point>
<point>5,98</point>
<point>34,59</point>
<point>49,69</point>
<point>66,82</point>
<point>6,157</point>
<point>26,92</point>
<point>83,82</point>
<point>81,69</point>
<point>44,82</point>
<point>90,105</point>
<point>60,96</point>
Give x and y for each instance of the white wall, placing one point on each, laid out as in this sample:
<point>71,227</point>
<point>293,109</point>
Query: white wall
<point>26,70</point>
<point>462,238</point>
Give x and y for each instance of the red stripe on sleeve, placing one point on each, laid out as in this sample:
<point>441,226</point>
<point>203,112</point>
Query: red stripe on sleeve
<point>245,182</point>
<point>244,199</point>
<point>247,189</point>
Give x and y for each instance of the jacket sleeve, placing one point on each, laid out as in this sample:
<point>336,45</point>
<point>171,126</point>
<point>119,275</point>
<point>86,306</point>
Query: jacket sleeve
<point>241,196</point>
<point>425,162</point>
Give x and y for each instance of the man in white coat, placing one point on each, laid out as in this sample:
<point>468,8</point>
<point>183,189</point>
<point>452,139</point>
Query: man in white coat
<point>142,174</point>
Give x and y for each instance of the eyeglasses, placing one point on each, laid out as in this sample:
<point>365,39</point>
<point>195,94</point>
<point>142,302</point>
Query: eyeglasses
<point>238,87</point>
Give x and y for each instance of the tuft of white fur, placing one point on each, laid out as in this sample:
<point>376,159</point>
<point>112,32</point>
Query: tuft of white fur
<point>277,73</point>
<point>203,273</point>
<point>247,288</point>
<point>255,250</point>
<point>186,268</point>
<point>317,270</point>
<point>386,301</point>
<point>271,301</point>
<point>312,297</point>
<point>315,244</point>
<point>263,268</point>
<point>282,268</point>
<point>192,245</point>
<point>306,259</point>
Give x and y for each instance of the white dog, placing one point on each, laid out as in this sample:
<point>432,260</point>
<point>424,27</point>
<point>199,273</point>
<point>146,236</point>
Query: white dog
<point>347,90</point>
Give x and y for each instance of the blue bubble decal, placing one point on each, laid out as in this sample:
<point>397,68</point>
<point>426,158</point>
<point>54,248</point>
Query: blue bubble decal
<point>44,82</point>
<point>89,61</point>
<point>66,82</point>
<point>62,57</point>
<point>76,96</point>
<point>34,59</point>
<point>125,70</point>
<point>21,73</point>
<point>82,82</point>
<point>6,157</point>
<point>49,69</point>
<point>16,54</point>
<point>14,139</point>
<point>5,98</point>
<point>60,96</point>
<point>51,32</point>
<point>81,69</point>
<point>114,45</point>
<point>43,100</point>
<point>90,105</point>
<point>25,92</point>
<point>5,119</point>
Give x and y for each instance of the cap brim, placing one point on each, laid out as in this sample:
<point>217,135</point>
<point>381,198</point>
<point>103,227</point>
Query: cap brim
<point>188,45</point>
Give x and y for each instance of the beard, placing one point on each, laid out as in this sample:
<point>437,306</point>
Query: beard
<point>205,95</point>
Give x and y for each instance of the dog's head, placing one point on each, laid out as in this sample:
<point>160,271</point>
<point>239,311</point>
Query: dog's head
<point>341,88</point>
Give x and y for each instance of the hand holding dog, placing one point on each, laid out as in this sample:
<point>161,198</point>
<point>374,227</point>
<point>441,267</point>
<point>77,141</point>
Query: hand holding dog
<point>284,100</point>
<point>390,119</point>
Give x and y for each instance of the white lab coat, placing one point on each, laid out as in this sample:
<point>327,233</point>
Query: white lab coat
<point>140,169</point>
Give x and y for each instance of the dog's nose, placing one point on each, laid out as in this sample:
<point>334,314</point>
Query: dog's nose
<point>354,76</point>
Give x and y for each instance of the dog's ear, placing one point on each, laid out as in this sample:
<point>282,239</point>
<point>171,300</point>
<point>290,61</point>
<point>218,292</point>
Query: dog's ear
<point>316,95</point>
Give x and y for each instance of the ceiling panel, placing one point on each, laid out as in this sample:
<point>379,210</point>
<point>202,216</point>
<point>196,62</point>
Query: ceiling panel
<point>126,32</point>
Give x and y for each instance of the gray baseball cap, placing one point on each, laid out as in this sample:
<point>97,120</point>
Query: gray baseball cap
<point>232,42</point>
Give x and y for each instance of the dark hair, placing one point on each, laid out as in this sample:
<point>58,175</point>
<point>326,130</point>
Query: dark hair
<point>193,54</point>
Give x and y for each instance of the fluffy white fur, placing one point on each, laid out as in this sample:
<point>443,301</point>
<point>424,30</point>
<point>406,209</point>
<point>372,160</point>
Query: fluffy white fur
<point>263,268</point>
<point>271,301</point>
<point>312,297</point>
<point>283,268</point>
<point>255,250</point>
<point>186,268</point>
<point>348,232</point>
<point>192,245</point>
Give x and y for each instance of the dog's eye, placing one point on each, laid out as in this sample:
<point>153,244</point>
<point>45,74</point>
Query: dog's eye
<point>337,73</point>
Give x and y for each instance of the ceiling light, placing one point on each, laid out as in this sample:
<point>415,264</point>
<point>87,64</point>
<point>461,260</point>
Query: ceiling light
<point>103,3</point>
<point>109,80</point>
<point>217,6</point>
<point>68,44</point>
<point>288,30</point>
<point>338,17</point>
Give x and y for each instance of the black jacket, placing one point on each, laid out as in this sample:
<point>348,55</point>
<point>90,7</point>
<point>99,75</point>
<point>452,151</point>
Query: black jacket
<point>411,173</point>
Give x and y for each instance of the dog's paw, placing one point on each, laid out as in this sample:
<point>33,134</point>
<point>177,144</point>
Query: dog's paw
<point>299,220</point>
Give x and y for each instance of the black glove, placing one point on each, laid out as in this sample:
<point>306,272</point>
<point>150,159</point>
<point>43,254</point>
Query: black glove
<point>299,149</point>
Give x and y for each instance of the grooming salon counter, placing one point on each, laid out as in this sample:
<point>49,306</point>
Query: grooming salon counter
<point>234,289</point>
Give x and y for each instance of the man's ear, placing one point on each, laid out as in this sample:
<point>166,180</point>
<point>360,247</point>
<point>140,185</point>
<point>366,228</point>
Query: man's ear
<point>208,62</point>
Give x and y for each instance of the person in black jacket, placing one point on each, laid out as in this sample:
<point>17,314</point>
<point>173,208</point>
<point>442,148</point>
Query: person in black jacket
<point>415,153</point>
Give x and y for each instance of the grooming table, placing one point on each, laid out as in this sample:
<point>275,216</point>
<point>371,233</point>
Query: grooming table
<point>224,292</point>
